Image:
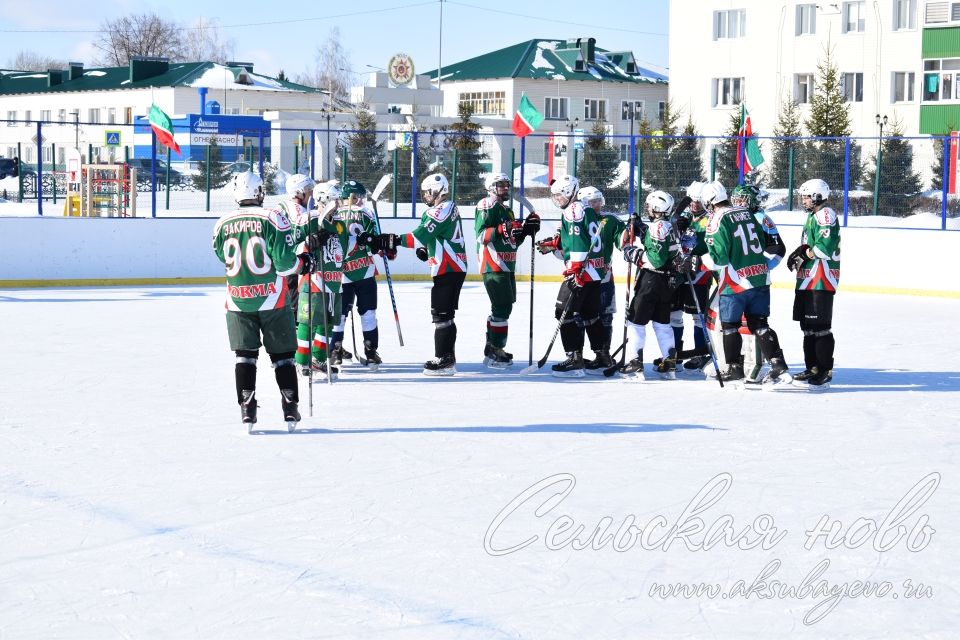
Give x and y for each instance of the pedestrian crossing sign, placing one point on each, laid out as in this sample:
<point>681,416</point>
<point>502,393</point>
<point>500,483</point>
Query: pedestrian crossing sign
<point>112,138</point>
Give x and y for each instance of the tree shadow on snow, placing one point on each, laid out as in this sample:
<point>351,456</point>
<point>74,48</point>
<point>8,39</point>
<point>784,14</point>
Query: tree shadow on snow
<point>596,428</point>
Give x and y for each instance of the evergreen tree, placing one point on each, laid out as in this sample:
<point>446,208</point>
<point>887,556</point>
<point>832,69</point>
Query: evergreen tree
<point>600,168</point>
<point>686,160</point>
<point>726,166</point>
<point>469,169</point>
<point>404,177</point>
<point>936,169</point>
<point>219,173</point>
<point>788,126</point>
<point>659,166</point>
<point>830,117</point>
<point>366,159</point>
<point>269,178</point>
<point>897,177</point>
<point>282,77</point>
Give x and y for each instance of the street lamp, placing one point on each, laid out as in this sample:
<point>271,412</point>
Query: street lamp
<point>571,125</point>
<point>881,122</point>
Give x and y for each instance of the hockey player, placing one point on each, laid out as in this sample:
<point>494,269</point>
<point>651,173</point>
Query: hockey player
<point>258,248</point>
<point>653,251</point>
<point>736,252</point>
<point>817,263</point>
<point>579,245</point>
<point>610,231</point>
<point>299,188</point>
<point>498,236</point>
<point>359,273</point>
<point>438,241</point>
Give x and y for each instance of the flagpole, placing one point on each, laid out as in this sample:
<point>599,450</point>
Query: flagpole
<point>742,147</point>
<point>523,155</point>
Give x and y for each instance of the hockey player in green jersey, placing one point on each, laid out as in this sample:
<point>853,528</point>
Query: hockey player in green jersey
<point>498,236</point>
<point>692,226</point>
<point>299,188</point>
<point>610,230</point>
<point>319,306</point>
<point>578,244</point>
<point>817,263</point>
<point>653,251</point>
<point>438,241</point>
<point>736,252</point>
<point>258,248</point>
<point>359,271</point>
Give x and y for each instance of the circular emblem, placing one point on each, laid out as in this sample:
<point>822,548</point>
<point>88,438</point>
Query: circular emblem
<point>400,69</point>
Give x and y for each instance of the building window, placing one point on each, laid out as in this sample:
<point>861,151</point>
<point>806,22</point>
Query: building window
<point>45,115</point>
<point>803,88</point>
<point>941,80</point>
<point>903,82</point>
<point>28,116</point>
<point>128,115</point>
<point>661,110</point>
<point>624,152</point>
<point>904,14</point>
<point>631,107</point>
<point>28,152</point>
<point>726,92</point>
<point>806,19</point>
<point>62,115</point>
<point>11,116</point>
<point>594,109</point>
<point>729,24</point>
<point>937,12</point>
<point>47,156</point>
<point>111,115</point>
<point>93,115</point>
<point>555,108</point>
<point>854,16</point>
<point>851,84</point>
<point>485,103</point>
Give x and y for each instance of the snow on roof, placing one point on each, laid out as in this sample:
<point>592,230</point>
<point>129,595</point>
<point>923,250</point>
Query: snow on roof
<point>220,77</point>
<point>94,73</point>
<point>32,75</point>
<point>547,44</point>
<point>539,62</point>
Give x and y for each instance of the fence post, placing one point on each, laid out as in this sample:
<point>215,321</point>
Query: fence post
<point>296,157</point>
<point>414,156</point>
<point>168,178</point>
<point>53,169</point>
<point>343,165</point>
<point>207,173</point>
<point>576,161</point>
<point>513,166</point>
<point>313,148</point>
<point>790,166</point>
<point>846,181</point>
<point>20,172</point>
<point>39,168</point>
<point>153,173</point>
<point>453,185</point>
<point>90,153</point>
<point>260,153</point>
<point>945,186</point>
<point>633,168</point>
<point>639,175</point>
<point>713,164</point>
<point>395,190</point>
<point>876,181</point>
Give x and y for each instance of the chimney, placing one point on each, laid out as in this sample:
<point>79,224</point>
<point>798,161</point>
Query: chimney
<point>142,67</point>
<point>76,70</point>
<point>203,100</point>
<point>54,77</point>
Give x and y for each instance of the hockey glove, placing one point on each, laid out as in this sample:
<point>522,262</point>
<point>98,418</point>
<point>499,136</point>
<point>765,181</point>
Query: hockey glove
<point>516,232</point>
<point>308,264</point>
<point>683,223</point>
<point>633,253</point>
<point>391,255</point>
<point>798,257</point>
<point>368,240</point>
<point>422,254</point>
<point>549,245</point>
<point>575,274</point>
<point>317,239</point>
<point>389,241</point>
<point>531,226</point>
<point>774,246</point>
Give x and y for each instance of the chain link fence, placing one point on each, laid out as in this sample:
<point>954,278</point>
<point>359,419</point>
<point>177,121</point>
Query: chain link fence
<point>873,180</point>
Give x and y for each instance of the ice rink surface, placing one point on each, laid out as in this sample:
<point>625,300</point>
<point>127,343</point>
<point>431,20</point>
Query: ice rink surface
<point>134,504</point>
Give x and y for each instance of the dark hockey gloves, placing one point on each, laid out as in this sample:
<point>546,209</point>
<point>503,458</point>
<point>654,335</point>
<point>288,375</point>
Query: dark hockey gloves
<point>798,257</point>
<point>421,253</point>
<point>683,223</point>
<point>531,226</point>
<point>633,253</point>
<point>774,246</point>
<point>549,245</point>
<point>386,242</point>
<point>308,264</point>
<point>317,239</point>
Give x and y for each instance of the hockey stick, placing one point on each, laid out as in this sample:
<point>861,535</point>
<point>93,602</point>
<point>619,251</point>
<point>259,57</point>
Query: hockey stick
<point>377,191</point>
<point>522,199</point>
<point>622,349</point>
<point>542,361</point>
<point>706,334</point>
<point>310,334</point>
<point>381,185</point>
<point>326,324</point>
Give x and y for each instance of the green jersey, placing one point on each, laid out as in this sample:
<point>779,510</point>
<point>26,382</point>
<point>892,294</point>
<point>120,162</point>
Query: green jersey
<point>258,248</point>
<point>821,232</point>
<point>440,232</point>
<point>495,253</point>
<point>610,230</point>
<point>358,264</point>
<point>580,241</point>
<point>660,246</point>
<point>330,257</point>
<point>298,216</point>
<point>735,244</point>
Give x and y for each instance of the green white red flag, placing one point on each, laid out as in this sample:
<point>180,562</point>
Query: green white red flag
<point>527,118</point>
<point>748,150</point>
<point>163,128</point>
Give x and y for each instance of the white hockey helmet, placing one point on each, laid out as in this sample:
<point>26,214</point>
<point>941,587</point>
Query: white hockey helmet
<point>327,192</point>
<point>563,189</point>
<point>693,191</point>
<point>433,187</point>
<point>711,193</point>
<point>816,189</point>
<point>588,195</point>
<point>659,204</point>
<point>247,186</point>
<point>299,185</point>
<point>492,179</point>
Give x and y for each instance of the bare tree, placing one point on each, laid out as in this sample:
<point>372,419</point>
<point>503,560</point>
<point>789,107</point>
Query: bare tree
<point>145,34</point>
<point>330,70</point>
<point>204,41</point>
<point>31,61</point>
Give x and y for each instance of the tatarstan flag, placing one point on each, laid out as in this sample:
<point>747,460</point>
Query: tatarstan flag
<point>163,128</point>
<point>750,156</point>
<point>527,118</point>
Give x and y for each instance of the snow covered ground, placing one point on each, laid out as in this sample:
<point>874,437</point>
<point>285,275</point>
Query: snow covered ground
<point>134,505</point>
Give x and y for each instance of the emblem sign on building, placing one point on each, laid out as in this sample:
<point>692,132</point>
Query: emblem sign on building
<point>401,69</point>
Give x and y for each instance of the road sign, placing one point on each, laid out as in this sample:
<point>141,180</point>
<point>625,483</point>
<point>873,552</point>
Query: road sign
<point>111,138</point>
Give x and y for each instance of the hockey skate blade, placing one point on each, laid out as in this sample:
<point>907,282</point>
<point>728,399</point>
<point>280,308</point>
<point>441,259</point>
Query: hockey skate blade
<point>442,373</point>
<point>597,372</point>
<point>817,388</point>
<point>573,373</point>
<point>496,366</point>
<point>291,426</point>
<point>529,370</point>
<point>373,367</point>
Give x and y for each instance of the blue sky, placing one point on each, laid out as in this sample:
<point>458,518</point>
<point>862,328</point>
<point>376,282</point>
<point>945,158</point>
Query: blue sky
<point>371,31</point>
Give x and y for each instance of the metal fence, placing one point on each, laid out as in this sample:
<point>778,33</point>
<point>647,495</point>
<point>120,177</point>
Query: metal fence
<point>873,179</point>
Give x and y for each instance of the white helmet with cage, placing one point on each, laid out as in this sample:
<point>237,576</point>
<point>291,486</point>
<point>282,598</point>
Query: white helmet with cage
<point>817,189</point>
<point>247,186</point>
<point>498,185</point>
<point>300,186</point>
<point>563,190</point>
<point>712,192</point>
<point>659,204</point>
<point>327,192</point>
<point>589,195</point>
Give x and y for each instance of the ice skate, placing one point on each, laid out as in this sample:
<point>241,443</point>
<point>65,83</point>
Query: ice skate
<point>633,370</point>
<point>445,365</point>
<point>372,357</point>
<point>497,358</point>
<point>248,409</point>
<point>602,361</point>
<point>572,367</point>
<point>291,414</point>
